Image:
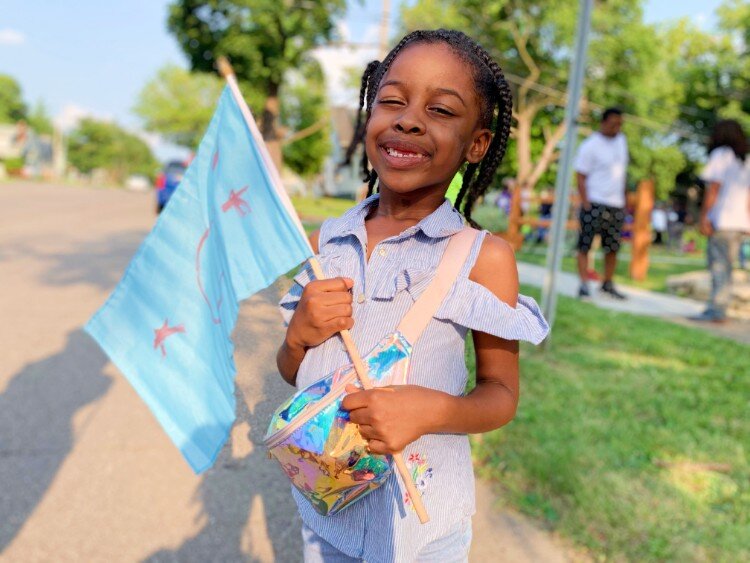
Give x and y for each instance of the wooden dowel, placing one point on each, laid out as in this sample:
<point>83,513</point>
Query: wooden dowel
<point>364,379</point>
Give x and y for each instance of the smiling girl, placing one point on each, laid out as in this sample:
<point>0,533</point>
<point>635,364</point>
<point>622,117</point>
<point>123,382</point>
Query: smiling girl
<point>437,102</point>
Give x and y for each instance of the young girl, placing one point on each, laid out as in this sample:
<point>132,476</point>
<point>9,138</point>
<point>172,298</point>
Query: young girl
<point>437,101</point>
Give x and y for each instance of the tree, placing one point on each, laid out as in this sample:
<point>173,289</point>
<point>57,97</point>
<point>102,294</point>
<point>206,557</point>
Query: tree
<point>12,106</point>
<point>533,42</point>
<point>40,120</point>
<point>263,39</point>
<point>714,69</point>
<point>303,110</point>
<point>179,104</point>
<point>99,144</point>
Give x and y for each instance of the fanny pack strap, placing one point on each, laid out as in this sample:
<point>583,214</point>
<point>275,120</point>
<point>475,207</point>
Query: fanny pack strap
<point>454,257</point>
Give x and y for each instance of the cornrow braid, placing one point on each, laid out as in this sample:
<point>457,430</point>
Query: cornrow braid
<point>495,112</point>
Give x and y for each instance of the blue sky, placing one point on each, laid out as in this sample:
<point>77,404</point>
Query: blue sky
<point>94,56</point>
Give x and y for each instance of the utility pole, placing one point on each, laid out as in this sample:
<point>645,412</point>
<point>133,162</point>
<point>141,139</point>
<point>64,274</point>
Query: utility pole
<point>562,182</point>
<point>385,22</point>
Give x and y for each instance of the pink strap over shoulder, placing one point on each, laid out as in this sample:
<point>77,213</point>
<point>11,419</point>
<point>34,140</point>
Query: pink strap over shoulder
<point>455,255</point>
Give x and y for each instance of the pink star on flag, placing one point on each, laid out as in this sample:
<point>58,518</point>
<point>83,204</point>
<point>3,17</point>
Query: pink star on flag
<point>236,201</point>
<point>161,334</point>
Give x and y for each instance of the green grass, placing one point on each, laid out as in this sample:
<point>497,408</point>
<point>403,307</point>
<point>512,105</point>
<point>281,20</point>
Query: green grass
<point>661,265</point>
<point>320,208</point>
<point>611,417</point>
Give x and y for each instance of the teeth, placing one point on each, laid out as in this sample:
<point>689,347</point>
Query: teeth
<point>397,154</point>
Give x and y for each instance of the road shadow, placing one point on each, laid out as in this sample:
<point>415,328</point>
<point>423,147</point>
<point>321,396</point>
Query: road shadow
<point>248,513</point>
<point>100,263</point>
<point>36,425</point>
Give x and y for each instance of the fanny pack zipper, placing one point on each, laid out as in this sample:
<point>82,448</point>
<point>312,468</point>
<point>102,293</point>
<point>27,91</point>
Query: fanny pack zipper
<point>277,437</point>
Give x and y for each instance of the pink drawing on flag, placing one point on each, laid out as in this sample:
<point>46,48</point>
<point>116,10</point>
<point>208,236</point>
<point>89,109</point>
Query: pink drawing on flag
<point>215,160</point>
<point>214,317</point>
<point>237,202</point>
<point>164,332</point>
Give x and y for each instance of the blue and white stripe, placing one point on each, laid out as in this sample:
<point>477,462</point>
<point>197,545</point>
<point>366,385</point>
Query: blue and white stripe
<point>380,528</point>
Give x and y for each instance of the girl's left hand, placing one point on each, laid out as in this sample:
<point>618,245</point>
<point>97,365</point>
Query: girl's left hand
<point>392,417</point>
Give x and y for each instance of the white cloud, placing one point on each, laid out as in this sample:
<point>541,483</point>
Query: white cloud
<point>11,37</point>
<point>335,62</point>
<point>71,114</point>
<point>372,34</point>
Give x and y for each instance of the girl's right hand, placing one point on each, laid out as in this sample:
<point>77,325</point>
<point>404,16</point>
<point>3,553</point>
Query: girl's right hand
<point>324,309</point>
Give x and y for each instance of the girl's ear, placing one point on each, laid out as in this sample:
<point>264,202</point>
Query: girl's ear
<point>479,145</point>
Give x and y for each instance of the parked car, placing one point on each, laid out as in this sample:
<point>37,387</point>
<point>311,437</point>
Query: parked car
<point>167,182</point>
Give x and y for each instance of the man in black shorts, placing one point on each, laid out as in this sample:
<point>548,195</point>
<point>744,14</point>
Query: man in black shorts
<point>601,164</point>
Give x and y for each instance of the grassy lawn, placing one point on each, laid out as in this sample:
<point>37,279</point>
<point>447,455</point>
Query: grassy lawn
<point>319,208</point>
<point>618,426</point>
<point>662,264</point>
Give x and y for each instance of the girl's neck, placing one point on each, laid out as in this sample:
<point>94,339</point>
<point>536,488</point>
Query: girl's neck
<point>407,208</point>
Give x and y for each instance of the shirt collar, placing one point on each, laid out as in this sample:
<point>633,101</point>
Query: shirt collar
<point>443,222</point>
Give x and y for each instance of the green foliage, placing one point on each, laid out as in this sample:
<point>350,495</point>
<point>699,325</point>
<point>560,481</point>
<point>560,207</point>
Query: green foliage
<point>263,39</point>
<point>302,106</point>
<point>179,104</point>
<point>98,144</point>
<point>652,157</point>
<point>714,70</point>
<point>12,106</point>
<point>618,427</point>
<point>40,120</point>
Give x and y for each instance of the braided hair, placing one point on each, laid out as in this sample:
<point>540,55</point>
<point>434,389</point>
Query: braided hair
<point>495,112</point>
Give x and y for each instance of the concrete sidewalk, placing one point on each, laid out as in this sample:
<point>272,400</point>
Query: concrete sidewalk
<point>640,302</point>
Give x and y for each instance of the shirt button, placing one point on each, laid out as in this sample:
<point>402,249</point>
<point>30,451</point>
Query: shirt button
<point>361,298</point>
<point>382,251</point>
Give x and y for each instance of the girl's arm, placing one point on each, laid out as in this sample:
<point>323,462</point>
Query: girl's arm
<point>492,403</point>
<point>324,309</point>
<point>391,420</point>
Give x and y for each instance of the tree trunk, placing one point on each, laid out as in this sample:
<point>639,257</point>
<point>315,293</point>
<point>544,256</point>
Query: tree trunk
<point>269,125</point>
<point>523,144</point>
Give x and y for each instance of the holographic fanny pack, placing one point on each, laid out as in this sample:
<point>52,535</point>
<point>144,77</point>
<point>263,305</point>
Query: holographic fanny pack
<point>310,435</point>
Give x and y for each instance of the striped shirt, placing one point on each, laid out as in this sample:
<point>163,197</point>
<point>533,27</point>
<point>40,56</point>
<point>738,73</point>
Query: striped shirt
<point>382,527</point>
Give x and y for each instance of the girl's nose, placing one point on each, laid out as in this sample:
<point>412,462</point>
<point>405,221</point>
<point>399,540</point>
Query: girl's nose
<point>408,123</point>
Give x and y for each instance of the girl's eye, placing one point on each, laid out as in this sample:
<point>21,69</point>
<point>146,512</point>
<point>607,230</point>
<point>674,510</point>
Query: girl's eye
<point>390,101</point>
<point>441,110</point>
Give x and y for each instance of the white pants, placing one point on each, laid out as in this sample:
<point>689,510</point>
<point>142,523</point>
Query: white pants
<point>453,548</point>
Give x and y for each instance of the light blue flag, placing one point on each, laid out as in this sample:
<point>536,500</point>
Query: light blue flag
<point>224,235</point>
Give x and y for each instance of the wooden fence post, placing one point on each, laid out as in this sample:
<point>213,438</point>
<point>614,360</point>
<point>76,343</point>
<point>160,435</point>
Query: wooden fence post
<point>513,233</point>
<point>642,229</point>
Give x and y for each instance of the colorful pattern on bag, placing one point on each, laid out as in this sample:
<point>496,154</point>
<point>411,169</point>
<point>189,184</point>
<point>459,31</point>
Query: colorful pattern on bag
<point>323,454</point>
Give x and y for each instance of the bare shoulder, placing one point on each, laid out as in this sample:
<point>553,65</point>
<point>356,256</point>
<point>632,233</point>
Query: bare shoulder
<point>314,238</point>
<point>496,269</point>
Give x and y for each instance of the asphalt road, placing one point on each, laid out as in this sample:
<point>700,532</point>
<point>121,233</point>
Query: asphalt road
<point>86,474</point>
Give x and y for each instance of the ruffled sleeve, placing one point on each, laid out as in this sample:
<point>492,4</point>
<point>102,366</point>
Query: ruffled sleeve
<point>473,306</point>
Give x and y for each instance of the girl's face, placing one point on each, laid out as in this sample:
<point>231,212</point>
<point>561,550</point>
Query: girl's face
<point>425,120</point>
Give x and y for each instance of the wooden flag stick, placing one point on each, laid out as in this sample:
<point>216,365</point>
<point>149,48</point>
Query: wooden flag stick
<point>226,71</point>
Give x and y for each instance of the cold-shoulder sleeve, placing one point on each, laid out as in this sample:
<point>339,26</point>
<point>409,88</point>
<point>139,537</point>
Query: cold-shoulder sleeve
<point>473,306</point>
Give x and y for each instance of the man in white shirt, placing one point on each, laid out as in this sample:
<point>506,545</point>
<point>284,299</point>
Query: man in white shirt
<point>601,165</point>
<point>725,216</point>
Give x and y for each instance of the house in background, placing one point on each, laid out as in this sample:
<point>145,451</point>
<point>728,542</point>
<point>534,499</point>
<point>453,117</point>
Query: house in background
<point>341,181</point>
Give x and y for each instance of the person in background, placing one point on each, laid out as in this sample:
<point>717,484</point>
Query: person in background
<point>601,164</point>
<point>659,222</point>
<point>725,215</point>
